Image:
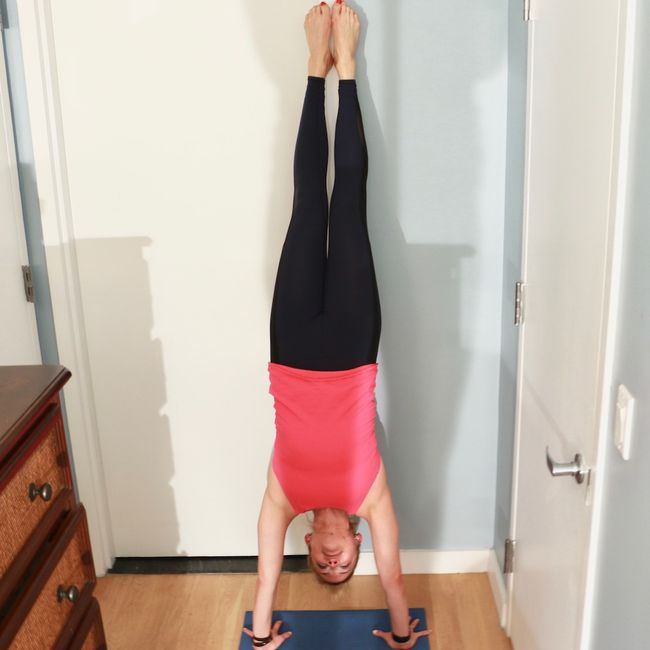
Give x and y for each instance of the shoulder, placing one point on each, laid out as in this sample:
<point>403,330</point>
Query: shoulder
<point>380,513</point>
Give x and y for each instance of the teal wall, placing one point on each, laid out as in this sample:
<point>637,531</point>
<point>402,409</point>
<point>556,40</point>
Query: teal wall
<point>433,82</point>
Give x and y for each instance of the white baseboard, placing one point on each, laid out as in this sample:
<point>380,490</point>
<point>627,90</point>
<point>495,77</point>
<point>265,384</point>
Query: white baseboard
<point>470,561</point>
<point>498,585</point>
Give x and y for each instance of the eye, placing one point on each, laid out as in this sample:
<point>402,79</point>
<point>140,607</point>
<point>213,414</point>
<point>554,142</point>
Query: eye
<point>322,566</point>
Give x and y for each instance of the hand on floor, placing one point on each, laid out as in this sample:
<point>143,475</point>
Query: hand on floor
<point>278,639</point>
<point>388,636</point>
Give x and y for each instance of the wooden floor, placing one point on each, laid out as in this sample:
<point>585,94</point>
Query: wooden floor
<point>205,611</point>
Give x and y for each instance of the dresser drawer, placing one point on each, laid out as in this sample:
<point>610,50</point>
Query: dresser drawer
<point>90,634</point>
<point>55,601</point>
<point>30,484</point>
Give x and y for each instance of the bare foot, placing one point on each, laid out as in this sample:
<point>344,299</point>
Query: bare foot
<point>345,33</point>
<point>318,26</point>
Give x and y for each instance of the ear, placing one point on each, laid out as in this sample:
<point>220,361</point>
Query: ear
<point>359,538</point>
<point>307,538</point>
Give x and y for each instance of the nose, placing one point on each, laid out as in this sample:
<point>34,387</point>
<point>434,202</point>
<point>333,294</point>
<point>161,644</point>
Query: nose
<point>332,561</point>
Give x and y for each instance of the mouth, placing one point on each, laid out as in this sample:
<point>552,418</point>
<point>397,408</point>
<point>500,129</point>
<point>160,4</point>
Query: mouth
<point>338,574</point>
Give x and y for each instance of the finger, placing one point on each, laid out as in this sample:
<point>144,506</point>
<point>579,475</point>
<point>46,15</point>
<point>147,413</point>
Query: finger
<point>381,635</point>
<point>414,623</point>
<point>422,633</point>
<point>247,631</point>
<point>276,627</point>
<point>279,640</point>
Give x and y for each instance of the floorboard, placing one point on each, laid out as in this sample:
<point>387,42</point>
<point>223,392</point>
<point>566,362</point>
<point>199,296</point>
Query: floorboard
<point>205,611</point>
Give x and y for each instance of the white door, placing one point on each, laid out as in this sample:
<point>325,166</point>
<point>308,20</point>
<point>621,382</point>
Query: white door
<point>18,333</point>
<point>572,132</point>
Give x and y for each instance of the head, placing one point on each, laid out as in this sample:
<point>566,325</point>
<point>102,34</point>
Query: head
<point>333,545</point>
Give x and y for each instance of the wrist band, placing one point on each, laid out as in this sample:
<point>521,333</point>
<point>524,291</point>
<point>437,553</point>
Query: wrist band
<point>401,639</point>
<point>260,642</point>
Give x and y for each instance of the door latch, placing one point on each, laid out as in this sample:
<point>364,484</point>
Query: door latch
<point>574,468</point>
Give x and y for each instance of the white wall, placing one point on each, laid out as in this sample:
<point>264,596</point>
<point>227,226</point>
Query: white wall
<point>179,127</point>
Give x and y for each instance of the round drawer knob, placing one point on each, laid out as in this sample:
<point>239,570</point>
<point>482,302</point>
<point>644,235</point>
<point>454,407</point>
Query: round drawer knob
<point>45,491</point>
<point>71,593</point>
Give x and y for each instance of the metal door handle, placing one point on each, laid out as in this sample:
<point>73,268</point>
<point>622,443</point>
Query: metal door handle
<point>575,468</point>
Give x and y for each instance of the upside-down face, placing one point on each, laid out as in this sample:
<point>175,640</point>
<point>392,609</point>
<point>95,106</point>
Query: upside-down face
<point>333,554</point>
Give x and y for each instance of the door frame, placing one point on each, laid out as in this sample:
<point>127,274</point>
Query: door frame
<point>620,145</point>
<point>39,57</point>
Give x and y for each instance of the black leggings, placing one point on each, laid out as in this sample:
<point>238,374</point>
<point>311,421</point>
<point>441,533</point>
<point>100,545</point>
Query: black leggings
<point>325,313</point>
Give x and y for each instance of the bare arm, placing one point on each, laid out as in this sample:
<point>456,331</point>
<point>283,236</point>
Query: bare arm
<point>271,530</point>
<point>385,541</point>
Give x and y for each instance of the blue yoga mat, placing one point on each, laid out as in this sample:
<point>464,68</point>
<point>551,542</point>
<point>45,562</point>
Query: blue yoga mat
<point>336,630</point>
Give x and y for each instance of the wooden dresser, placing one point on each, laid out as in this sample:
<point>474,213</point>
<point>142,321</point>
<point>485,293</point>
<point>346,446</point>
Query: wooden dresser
<point>47,574</point>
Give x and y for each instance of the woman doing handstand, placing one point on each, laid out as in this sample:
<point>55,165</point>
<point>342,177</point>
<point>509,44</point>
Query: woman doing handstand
<point>325,328</point>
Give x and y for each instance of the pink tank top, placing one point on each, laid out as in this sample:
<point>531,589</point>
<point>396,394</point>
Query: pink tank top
<point>325,453</point>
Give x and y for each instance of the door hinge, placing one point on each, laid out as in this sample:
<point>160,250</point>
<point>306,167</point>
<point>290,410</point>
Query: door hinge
<point>527,10</point>
<point>29,283</point>
<point>519,303</point>
<point>509,556</point>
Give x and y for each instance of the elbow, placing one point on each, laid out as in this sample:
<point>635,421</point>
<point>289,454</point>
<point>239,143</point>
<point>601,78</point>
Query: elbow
<point>393,582</point>
<point>266,582</point>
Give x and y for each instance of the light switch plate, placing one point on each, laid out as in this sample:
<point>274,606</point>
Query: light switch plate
<point>624,419</point>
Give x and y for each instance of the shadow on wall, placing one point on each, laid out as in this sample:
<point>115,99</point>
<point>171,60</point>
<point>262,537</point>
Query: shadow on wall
<point>129,388</point>
<point>424,366</point>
